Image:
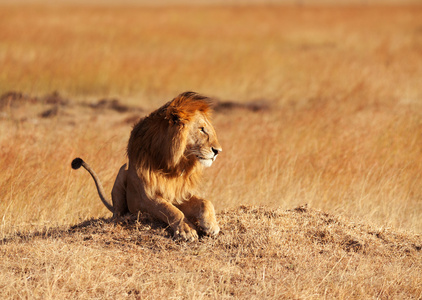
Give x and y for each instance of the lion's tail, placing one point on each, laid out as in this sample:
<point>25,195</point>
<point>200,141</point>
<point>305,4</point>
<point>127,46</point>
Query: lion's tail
<point>76,164</point>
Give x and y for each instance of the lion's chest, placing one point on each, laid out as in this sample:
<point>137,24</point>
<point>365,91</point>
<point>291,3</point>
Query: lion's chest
<point>174,189</point>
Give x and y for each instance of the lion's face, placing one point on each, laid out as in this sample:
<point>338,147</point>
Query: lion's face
<point>202,140</point>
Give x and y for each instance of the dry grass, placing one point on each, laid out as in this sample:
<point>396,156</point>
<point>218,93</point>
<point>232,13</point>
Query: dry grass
<point>286,54</point>
<point>261,253</point>
<point>340,129</point>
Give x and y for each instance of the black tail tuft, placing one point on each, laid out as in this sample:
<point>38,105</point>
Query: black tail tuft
<point>77,163</point>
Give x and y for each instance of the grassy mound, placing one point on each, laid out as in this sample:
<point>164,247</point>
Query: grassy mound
<point>261,252</point>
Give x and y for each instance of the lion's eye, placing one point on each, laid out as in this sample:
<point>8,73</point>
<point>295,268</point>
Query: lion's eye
<point>202,130</point>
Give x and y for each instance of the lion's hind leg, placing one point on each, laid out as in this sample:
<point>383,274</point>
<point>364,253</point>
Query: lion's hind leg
<point>118,194</point>
<point>201,212</point>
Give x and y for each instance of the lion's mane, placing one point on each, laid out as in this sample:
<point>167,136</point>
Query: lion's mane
<point>157,148</point>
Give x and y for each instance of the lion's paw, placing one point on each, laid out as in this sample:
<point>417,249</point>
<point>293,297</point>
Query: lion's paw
<point>185,231</point>
<point>211,229</point>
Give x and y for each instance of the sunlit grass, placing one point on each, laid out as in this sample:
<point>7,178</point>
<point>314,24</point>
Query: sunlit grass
<point>342,133</point>
<point>143,55</point>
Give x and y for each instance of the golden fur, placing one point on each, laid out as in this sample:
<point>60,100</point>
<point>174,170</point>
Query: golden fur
<point>167,152</point>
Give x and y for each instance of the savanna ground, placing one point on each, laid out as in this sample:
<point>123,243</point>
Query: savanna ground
<point>319,186</point>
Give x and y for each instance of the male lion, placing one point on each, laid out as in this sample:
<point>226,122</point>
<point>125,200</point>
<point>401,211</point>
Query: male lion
<point>167,152</point>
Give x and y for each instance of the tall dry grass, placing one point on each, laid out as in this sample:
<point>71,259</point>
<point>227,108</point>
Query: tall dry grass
<point>285,54</point>
<point>343,132</point>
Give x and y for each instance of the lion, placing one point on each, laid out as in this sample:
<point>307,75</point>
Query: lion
<point>167,152</point>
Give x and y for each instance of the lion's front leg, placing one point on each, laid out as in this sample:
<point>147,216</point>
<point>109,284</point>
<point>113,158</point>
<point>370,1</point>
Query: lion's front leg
<point>202,212</point>
<point>168,213</point>
<point>157,207</point>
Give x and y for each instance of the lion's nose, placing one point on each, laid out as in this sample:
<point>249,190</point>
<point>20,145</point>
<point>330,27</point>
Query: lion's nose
<point>216,150</point>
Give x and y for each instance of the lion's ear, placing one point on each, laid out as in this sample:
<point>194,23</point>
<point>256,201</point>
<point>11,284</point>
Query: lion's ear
<point>176,116</point>
<point>172,116</point>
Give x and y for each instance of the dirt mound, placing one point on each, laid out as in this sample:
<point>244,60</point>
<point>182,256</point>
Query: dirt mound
<point>113,104</point>
<point>254,106</point>
<point>247,226</point>
<point>56,99</point>
<point>20,107</point>
<point>14,99</point>
<point>261,252</point>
